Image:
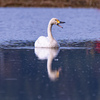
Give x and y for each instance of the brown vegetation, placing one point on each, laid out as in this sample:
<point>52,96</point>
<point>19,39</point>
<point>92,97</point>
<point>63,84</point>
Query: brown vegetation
<point>50,3</point>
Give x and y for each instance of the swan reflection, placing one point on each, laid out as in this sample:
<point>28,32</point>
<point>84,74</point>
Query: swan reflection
<point>49,54</point>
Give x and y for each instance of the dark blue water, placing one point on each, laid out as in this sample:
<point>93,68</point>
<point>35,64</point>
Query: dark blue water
<point>24,76</point>
<point>71,72</point>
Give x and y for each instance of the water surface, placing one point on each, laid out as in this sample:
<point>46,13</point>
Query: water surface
<point>29,23</point>
<point>71,72</point>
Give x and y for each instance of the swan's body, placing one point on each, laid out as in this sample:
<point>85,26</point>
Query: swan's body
<point>48,42</point>
<point>43,41</point>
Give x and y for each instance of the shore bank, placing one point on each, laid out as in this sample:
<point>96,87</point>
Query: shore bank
<point>50,3</point>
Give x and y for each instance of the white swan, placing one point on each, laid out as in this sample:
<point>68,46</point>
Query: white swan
<point>49,42</point>
<point>50,54</point>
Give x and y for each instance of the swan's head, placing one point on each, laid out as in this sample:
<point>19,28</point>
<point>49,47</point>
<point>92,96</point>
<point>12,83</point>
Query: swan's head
<point>54,75</point>
<point>56,22</point>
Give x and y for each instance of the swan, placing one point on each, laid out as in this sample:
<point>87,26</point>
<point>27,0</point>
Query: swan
<point>50,54</point>
<point>49,42</point>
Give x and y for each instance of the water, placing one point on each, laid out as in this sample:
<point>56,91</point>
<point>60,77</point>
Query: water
<point>71,72</point>
<point>30,23</point>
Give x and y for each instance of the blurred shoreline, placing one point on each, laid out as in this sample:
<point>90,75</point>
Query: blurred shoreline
<point>50,3</point>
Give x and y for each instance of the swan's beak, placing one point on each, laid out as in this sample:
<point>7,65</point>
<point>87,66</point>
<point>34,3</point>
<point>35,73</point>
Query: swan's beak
<point>57,74</point>
<point>60,22</point>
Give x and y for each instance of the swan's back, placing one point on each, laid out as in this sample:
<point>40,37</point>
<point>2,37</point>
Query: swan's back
<point>44,42</point>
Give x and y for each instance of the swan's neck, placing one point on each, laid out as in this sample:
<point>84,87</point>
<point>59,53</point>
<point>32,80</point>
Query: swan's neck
<point>50,31</point>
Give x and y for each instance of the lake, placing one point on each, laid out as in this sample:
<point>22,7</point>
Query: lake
<point>71,72</point>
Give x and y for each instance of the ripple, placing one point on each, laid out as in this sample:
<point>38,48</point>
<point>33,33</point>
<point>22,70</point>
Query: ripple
<point>64,44</point>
